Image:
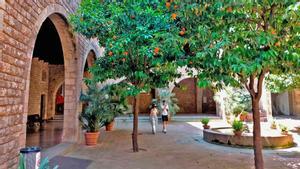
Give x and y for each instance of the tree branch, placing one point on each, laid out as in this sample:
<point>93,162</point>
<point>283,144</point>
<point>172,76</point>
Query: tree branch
<point>260,83</point>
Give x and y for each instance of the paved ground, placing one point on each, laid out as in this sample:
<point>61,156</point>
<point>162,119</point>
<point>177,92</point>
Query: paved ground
<point>181,148</point>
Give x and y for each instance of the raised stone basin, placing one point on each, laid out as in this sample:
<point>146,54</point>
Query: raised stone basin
<point>224,135</point>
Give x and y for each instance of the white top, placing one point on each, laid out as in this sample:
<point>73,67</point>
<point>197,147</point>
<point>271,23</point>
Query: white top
<point>153,112</point>
<point>165,109</point>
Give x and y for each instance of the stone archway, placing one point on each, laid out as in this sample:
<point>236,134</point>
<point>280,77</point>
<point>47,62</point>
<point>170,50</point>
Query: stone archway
<point>194,100</point>
<point>57,15</point>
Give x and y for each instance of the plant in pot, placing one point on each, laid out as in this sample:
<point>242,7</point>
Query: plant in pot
<point>273,125</point>
<point>284,129</point>
<point>238,127</point>
<point>116,104</point>
<point>95,113</point>
<point>205,122</point>
<point>243,115</point>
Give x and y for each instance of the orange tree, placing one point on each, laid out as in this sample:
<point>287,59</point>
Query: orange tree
<point>140,45</point>
<point>239,43</point>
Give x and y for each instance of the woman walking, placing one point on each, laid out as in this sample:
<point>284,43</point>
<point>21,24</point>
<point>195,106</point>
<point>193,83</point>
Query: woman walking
<point>165,114</point>
<point>153,117</point>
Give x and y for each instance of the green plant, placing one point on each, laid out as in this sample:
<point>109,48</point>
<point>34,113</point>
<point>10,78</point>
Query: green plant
<point>237,125</point>
<point>103,105</point>
<point>283,128</point>
<point>43,165</point>
<point>170,98</point>
<point>273,125</point>
<point>237,111</point>
<point>205,121</point>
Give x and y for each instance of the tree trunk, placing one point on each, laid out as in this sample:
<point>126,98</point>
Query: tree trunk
<point>135,146</point>
<point>257,144</point>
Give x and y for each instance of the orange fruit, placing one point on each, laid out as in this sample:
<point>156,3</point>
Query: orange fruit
<point>277,44</point>
<point>175,6</point>
<point>181,33</point>
<point>125,53</point>
<point>173,16</point>
<point>168,4</point>
<point>183,29</point>
<point>156,50</point>
<point>273,32</point>
<point>110,53</point>
<point>229,9</point>
<point>190,62</point>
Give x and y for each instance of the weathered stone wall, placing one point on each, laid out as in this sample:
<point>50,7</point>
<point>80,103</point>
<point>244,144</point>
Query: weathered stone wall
<point>56,79</point>
<point>287,103</point>
<point>20,22</point>
<point>38,85</point>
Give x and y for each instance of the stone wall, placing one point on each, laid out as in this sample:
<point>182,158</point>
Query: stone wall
<point>287,103</point>
<point>20,22</point>
<point>38,86</point>
<point>56,79</point>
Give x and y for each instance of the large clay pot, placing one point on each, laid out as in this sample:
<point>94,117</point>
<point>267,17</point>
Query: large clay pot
<point>91,138</point>
<point>238,133</point>
<point>110,126</point>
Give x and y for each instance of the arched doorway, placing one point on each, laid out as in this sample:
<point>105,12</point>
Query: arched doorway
<point>46,81</point>
<point>89,62</point>
<point>194,100</point>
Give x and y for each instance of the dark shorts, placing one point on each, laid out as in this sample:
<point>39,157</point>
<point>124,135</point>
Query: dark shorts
<point>164,118</point>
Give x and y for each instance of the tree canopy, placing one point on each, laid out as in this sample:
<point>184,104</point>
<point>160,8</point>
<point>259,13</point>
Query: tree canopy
<point>138,39</point>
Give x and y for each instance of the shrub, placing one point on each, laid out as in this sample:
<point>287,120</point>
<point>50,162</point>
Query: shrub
<point>205,121</point>
<point>237,125</point>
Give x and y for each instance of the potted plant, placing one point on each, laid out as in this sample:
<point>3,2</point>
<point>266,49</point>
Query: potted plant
<point>238,127</point>
<point>205,122</point>
<point>95,113</point>
<point>273,125</point>
<point>284,129</point>
<point>116,104</point>
<point>243,115</point>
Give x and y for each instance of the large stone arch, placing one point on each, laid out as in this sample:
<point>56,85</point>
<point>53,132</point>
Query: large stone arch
<point>57,14</point>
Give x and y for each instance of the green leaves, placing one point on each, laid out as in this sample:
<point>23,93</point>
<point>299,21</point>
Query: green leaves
<point>139,38</point>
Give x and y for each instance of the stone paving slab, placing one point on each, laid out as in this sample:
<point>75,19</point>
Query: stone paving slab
<point>181,148</point>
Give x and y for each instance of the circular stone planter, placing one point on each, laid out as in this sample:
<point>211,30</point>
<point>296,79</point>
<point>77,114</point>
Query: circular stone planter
<point>223,136</point>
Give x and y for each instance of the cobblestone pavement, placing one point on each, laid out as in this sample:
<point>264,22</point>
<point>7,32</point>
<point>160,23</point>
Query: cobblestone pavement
<point>181,148</point>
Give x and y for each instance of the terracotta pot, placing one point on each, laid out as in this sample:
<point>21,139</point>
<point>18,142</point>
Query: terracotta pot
<point>206,126</point>
<point>238,133</point>
<point>91,138</point>
<point>110,126</point>
<point>243,117</point>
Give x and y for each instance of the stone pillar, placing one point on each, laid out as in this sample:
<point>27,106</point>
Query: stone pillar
<point>199,96</point>
<point>220,105</point>
<point>266,103</point>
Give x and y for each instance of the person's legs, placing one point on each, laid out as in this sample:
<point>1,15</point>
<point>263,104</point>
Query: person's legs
<point>165,119</point>
<point>152,121</point>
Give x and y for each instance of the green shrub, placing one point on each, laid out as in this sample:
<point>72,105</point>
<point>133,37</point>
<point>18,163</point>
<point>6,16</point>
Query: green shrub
<point>237,111</point>
<point>205,121</point>
<point>283,128</point>
<point>237,125</point>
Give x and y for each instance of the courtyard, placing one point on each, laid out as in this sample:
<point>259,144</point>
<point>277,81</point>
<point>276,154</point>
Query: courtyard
<point>72,68</point>
<point>181,147</point>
